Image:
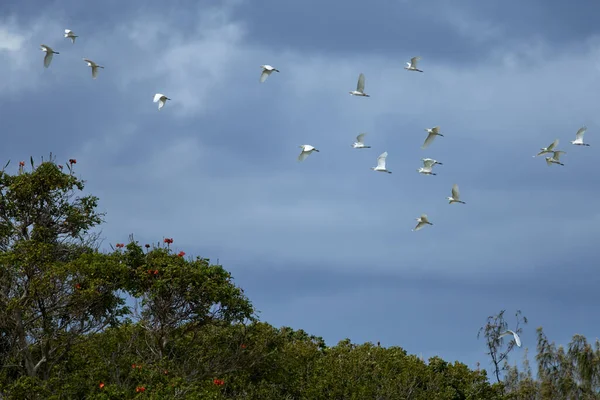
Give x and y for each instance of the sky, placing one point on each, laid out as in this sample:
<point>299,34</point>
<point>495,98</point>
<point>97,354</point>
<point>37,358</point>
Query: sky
<point>326,245</point>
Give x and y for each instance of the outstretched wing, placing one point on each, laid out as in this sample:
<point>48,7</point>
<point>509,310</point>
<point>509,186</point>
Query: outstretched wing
<point>360,138</point>
<point>455,192</point>
<point>419,226</point>
<point>428,163</point>
<point>553,145</point>
<point>265,74</point>
<point>360,87</point>
<point>157,97</point>
<point>48,59</point>
<point>580,133</point>
<point>556,154</point>
<point>303,155</point>
<point>424,218</point>
<point>413,61</point>
<point>435,129</point>
<point>381,160</point>
<point>429,139</point>
<point>94,71</point>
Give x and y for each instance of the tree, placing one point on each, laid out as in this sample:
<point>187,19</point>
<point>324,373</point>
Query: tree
<point>53,286</point>
<point>495,326</point>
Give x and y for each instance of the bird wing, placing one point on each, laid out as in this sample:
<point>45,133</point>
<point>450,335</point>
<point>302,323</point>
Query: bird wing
<point>413,61</point>
<point>580,132</point>
<point>517,338</point>
<point>419,226</point>
<point>265,74</point>
<point>381,160</point>
<point>73,39</point>
<point>87,60</point>
<point>428,163</point>
<point>429,139</point>
<point>161,103</point>
<point>360,87</point>
<point>424,218</point>
<point>303,155</point>
<point>455,192</point>
<point>553,145</point>
<point>94,71</point>
<point>48,59</point>
<point>157,97</point>
<point>435,129</point>
<point>67,31</point>
<point>556,154</point>
<point>360,138</point>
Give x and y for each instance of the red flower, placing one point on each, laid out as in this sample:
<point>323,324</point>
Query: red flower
<point>21,163</point>
<point>155,272</point>
<point>133,365</point>
<point>218,382</point>
<point>181,253</point>
<point>60,167</point>
<point>77,286</point>
<point>101,385</point>
<point>72,161</point>
<point>168,240</point>
<point>140,389</point>
<point>243,346</point>
<point>119,245</point>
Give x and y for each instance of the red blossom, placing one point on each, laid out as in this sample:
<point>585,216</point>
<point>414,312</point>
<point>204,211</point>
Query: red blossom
<point>77,286</point>
<point>168,240</point>
<point>133,366</point>
<point>72,161</point>
<point>140,389</point>
<point>181,253</point>
<point>101,385</point>
<point>155,272</point>
<point>119,245</point>
<point>21,163</point>
<point>243,346</point>
<point>218,382</point>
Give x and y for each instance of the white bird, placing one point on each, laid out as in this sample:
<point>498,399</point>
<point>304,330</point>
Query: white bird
<point>307,149</point>
<point>267,69</point>
<point>455,198</point>
<point>555,159</point>
<point>360,87</point>
<point>412,65</point>
<point>381,163</point>
<point>422,221</point>
<point>434,162</point>
<point>49,54</point>
<point>579,137</point>
<point>427,168</point>
<point>432,133</point>
<point>509,332</point>
<point>360,142</point>
<point>71,35</point>
<point>549,149</point>
<point>161,99</point>
<point>94,66</point>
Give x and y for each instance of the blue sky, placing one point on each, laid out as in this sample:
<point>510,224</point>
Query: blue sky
<point>326,245</point>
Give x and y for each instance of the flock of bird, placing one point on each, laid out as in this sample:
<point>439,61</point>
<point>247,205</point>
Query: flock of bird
<point>428,163</point>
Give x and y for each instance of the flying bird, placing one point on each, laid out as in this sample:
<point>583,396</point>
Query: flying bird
<point>509,332</point>
<point>381,163</point>
<point>549,149</point>
<point>422,221</point>
<point>360,142</point>
<point>427,167</point>
<point>71,35</point>
<point>432,133</point>
<point>360,87</point>
<point>434,162</point>
<point>161,99</point>
<point>94,66</point>
<point>49,54</point>
<point>267,69</point>
<point>579,137</point>
<point>412,65</point>
<point>307,149</point>
<point>555,159</point>
<point>455,198</point>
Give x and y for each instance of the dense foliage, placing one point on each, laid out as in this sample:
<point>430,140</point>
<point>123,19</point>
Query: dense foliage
<point>141,321</point>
